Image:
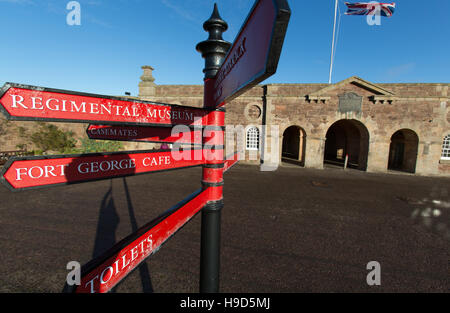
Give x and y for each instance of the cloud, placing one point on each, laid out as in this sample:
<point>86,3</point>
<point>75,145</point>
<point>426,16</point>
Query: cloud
<point>96,21</point>
<point>18,1</point>
<point>179,10</point>
<point>400,69</point>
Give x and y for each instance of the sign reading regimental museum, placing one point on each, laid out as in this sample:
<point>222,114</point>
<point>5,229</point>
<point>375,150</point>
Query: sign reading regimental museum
<point>33,103</point>
<point>350,102</point>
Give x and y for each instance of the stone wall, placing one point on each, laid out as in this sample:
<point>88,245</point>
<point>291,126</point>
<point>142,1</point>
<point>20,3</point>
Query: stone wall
<point>385,109</point>
<point>419,109</point>
<point>11,138</point>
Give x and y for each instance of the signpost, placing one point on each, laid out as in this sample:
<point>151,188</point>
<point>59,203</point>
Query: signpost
<point>255,52</point>
<point>228,73</point>
<point>252,58</point>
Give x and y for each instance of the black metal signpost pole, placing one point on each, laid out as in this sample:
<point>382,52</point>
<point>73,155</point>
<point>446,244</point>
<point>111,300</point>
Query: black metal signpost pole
<point>213,50</point>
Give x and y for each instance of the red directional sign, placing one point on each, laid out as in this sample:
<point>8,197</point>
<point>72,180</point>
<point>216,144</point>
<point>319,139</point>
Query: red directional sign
<point>31,103</point>
<point>255,52</point>
<point>32,172</point>
<point>103,273</point>
<point>179,134</point>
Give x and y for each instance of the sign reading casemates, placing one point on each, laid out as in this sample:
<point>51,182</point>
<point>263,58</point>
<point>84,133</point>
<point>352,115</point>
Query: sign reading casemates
<point>177,134</point>
<point>31,103</point>
<point>350,102</point>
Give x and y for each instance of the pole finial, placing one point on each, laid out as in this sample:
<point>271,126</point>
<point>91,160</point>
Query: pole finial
<point>215,21</point>
<point>213,49</point>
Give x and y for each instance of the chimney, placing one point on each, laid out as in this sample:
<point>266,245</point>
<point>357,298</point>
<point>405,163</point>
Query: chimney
<point>147,84</point>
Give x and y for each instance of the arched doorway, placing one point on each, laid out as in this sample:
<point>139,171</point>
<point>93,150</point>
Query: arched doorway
<point>403,151</point>
<point>294,143</point>
<point>347,138</point>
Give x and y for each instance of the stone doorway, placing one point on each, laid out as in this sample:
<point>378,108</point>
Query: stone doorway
<point>294,144</point>
<point>403,151</point>
<point>347,138</point>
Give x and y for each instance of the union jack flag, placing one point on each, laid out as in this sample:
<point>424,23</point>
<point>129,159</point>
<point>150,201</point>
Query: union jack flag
<point>370,8</point>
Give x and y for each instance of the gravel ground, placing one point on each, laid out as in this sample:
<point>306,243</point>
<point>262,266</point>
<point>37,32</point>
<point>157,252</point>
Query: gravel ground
<point>292,230</point>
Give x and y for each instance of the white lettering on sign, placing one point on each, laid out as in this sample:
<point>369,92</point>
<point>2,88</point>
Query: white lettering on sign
<point>105,166</point>
<point>230,63</point>
<point>36,172</point>
<point>76,108</point>
<point>46,171</point>
<point>36,101</point>
<point>140,251</point>
<point>114,132</point>
<point>160,113</point>
<point>55,107</point>
<point>155,161</point>
<point>16,101</point>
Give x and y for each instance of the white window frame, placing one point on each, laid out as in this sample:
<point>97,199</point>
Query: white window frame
<point>445,155</point>
<point>252,143</point>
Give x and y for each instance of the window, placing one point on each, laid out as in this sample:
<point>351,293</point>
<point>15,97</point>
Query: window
<point>446,148</point>
<point>252,138</point>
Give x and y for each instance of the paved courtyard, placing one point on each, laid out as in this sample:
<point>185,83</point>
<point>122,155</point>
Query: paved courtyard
<point>292,230</point>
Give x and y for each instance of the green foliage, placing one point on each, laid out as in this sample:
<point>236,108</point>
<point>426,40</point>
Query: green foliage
<point>22,146</point>
<point>22,132</point>
<point>38,152</point>
<point>25,136</point>
<point>3,127</point>
<point>50,137</point>
<point>91,146</point>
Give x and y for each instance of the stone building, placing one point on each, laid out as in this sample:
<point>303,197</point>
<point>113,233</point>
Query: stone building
<point>354,123</point>
<point>366,126</point>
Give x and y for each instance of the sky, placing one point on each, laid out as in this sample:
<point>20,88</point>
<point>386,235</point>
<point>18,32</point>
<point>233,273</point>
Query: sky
<point>104,54</point>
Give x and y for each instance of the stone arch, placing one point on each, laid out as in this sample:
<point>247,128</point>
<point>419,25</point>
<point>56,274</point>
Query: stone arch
<point>403,150</point>
<point>294,145</point>
<point>347,137</point>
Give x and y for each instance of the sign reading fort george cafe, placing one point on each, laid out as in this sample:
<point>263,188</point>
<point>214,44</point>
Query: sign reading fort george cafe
<point>354,123</point>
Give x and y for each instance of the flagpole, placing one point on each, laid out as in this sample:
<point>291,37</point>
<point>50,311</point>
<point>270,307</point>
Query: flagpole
<point>332,44</point>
